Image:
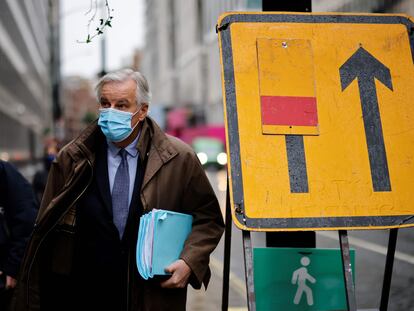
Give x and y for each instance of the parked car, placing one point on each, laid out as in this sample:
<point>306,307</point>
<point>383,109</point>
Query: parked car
<point>210,151</point>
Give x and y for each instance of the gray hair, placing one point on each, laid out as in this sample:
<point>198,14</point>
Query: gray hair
<point>143,94</point>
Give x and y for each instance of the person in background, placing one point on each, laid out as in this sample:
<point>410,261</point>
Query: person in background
<point>40,177</point>
<point>17,216</point>
<point>81,255</point>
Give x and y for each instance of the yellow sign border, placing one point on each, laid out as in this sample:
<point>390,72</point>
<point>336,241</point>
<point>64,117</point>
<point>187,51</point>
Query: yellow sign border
<point>230,110</point>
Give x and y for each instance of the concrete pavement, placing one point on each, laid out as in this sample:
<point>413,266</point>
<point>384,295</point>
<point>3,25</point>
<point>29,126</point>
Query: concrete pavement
<point>210,300</point>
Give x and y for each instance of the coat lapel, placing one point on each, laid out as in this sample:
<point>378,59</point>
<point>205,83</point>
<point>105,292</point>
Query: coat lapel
<point>154,164</point>
<point>137,186</point>
<point>160,151</point>
<point>102,177</point>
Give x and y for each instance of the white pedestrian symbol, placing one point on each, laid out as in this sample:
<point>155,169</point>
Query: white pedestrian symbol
<point>299,277</point>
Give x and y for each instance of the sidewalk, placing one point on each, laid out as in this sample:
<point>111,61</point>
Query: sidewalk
<point>210,300</point>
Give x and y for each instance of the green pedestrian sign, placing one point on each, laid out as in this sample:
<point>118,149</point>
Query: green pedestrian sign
<point>299,279</point>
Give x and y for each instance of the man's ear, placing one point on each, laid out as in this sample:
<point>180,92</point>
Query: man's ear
<point>143,112</point>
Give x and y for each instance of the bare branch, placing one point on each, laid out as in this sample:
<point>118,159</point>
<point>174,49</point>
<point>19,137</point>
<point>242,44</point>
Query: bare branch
<point>103,22</point>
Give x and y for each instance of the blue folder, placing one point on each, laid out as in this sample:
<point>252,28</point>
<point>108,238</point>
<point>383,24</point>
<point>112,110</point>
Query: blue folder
<point>161,238</point>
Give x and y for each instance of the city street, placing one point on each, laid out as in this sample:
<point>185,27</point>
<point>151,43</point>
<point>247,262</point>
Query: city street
<point>370,246</point>
<point>309,101</point>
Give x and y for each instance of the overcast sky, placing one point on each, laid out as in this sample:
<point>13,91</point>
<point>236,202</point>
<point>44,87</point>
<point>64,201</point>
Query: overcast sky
<point>126,34</point>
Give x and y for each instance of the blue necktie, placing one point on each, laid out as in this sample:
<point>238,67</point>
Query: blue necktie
<point>120,193</point>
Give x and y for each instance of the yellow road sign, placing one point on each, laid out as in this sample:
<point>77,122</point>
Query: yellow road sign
<point>319,120</point>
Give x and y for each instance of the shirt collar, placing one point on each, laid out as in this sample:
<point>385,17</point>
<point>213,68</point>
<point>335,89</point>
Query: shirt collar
<point>130,149</point>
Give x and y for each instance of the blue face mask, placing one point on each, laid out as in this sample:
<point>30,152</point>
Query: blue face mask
<point>116,124</point>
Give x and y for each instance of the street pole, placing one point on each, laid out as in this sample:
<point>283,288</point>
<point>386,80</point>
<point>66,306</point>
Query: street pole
<point>289,239</point>
<point>287,6</point>
<point>103,46</point>
<point>103,56</point>
<point>54,27</point>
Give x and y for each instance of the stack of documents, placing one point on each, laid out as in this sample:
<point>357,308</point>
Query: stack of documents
<point>161,239</point>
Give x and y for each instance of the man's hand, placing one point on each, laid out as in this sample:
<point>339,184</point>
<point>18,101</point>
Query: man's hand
<point>180,275</point>
<point>10,282</point>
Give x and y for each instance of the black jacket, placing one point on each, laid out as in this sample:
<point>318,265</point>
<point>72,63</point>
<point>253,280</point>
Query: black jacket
<point>17,216</point>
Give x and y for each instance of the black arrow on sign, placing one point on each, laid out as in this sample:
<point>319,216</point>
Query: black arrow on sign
<point>365,67</point>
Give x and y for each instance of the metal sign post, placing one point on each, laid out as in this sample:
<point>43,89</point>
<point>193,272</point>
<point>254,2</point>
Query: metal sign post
<point>386,286</point>
<point>347,268</point>
<point>248,266</point>
<point>227,249</point>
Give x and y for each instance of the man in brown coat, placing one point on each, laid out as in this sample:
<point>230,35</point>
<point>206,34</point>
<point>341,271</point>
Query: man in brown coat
<point>81,255</point>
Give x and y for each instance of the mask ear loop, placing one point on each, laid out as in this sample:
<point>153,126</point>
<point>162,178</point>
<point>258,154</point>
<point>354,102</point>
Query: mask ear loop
<point>139,120</point>
<point>133,128</point>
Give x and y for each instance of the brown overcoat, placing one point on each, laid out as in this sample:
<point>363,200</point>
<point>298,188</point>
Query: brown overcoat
<point>174,179</point>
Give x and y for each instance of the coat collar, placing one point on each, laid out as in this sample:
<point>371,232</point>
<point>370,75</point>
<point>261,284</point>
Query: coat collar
<point>87,143</point>
<point>153,146</point>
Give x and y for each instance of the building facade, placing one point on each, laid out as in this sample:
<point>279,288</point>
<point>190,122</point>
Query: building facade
<point>365,6</point>
<point>25,89</point>
<point>181,56</point>
<point>79,100</point>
